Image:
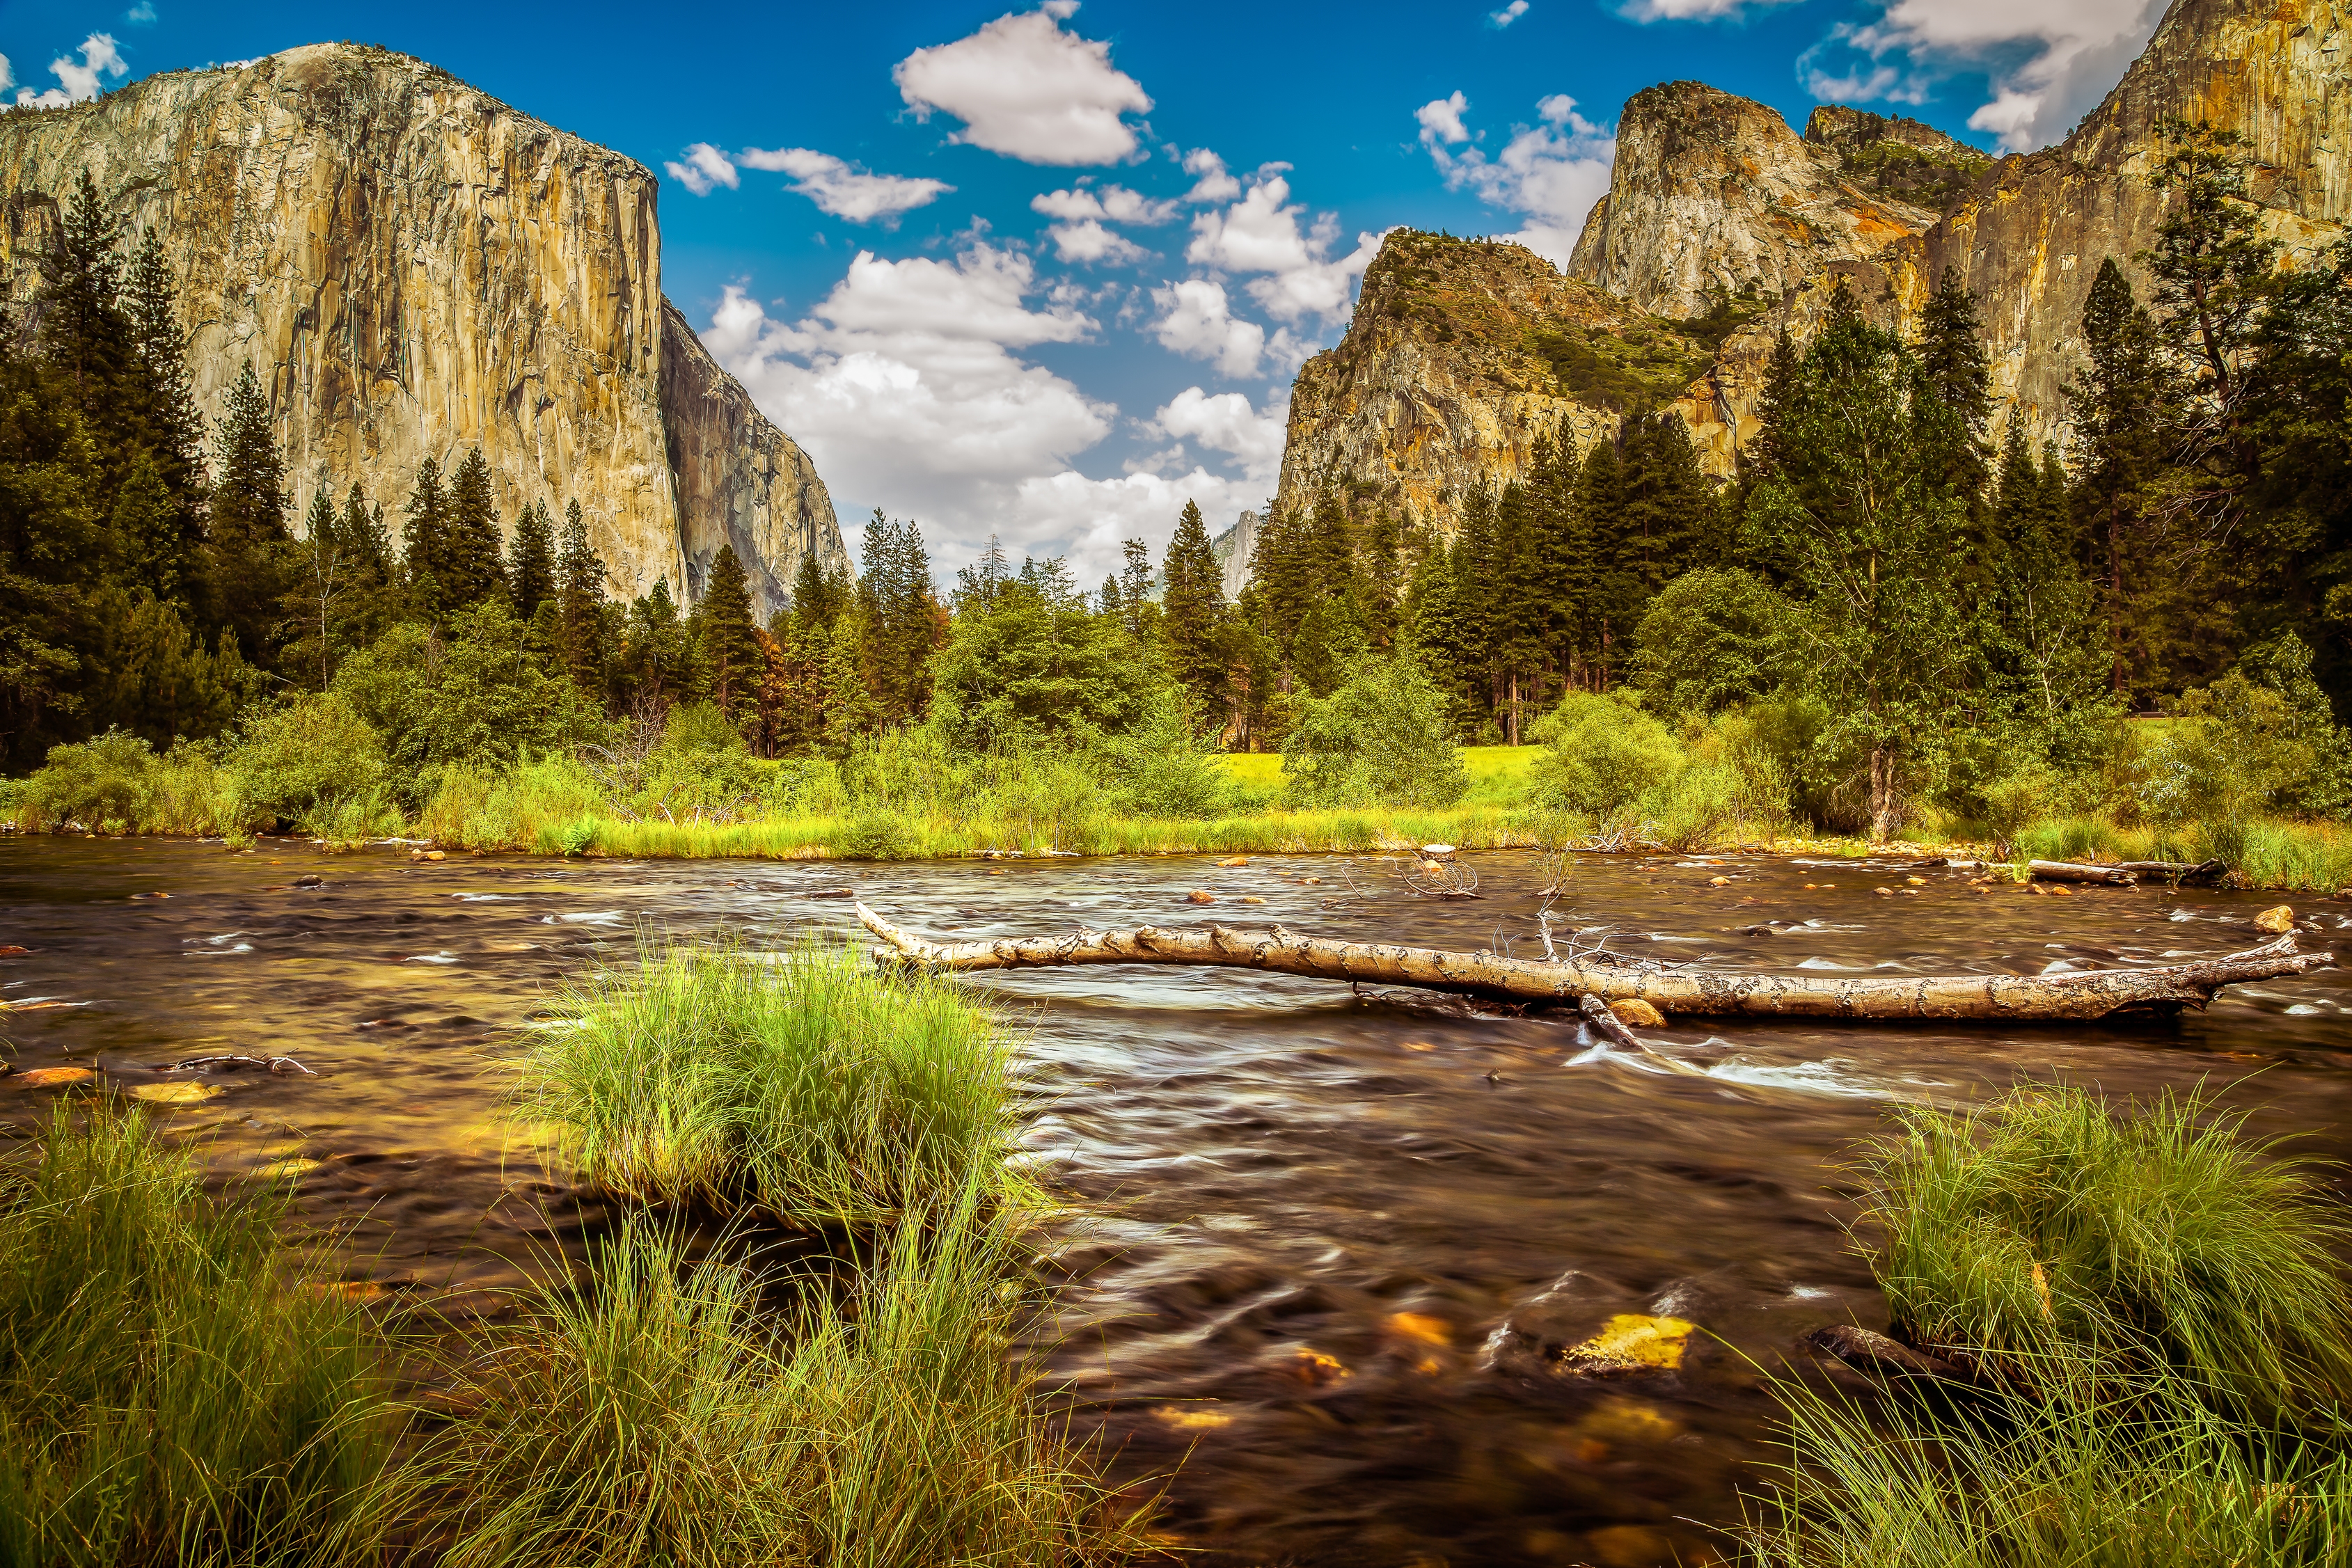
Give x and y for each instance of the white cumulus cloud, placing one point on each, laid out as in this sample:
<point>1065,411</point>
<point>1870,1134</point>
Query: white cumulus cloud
<point>1508,14</point>
<point>1113,203</point>
<point>2045,62</point>
<point>1262,233</point>
<point>1550,173</point>
<point>78,81</point>
<point>841,189</point>
<point>1087,242</point>
<point>1212,182</point>
<point>704,169</point>
<point>1197,321</point>
<point>1024,87</point>
<point>1691,10</point>
<point>1225,422</point>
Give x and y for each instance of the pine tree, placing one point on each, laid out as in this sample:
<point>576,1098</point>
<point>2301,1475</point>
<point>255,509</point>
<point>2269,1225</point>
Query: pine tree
<point>1952,356</point>
<point>1192,613</point>
<point>581,599</point>
<point>322,579</point>
<point>730,643</point>
<point>533,580</point>
<point>426,546</point>
<point>1135,588</point>
<point>170,427</point>
<point>83,329</point>
<point>1765,453</point>
<point>1599,533</point>
<point>474,570</point>
<point>2118,415</point>
<point>150,550</point>
<point>249,538</point>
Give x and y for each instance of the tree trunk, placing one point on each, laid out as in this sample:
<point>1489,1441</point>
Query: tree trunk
<point>2088,994</point>
<point>1881,795</point>
<point>2063,870</point>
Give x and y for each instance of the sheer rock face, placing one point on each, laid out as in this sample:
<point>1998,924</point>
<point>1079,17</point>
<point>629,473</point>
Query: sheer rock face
<point>2028,234</point>
<point>1440,384</point>
<point>1712,193</point>
<point>414,270</point>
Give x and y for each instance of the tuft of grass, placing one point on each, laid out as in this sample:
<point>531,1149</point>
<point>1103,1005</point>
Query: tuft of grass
<point>802,1084</point>
<point>2149,1479</point>
<point>170,1392</point>
<point>653,1420</point>
<point>2048,1227</point>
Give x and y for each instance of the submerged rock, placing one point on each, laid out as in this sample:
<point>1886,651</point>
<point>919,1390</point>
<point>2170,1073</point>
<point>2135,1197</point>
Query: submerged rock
<point>54,1077</point>
<point>2277,921</point>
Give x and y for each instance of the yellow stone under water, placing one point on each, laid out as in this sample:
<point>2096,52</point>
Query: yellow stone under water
<point>1635,1339</point>
<point>279,1169</point>
<point>176,1094</point>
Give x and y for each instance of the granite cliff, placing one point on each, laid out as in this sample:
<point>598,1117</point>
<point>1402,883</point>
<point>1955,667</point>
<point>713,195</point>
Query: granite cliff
<point>1461,356</point>
<point>2028,234</point>
<point>413,269</point>
<point>1713,196</point>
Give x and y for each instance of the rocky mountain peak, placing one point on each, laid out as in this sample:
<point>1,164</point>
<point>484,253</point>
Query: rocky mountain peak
<point>1714,197</point>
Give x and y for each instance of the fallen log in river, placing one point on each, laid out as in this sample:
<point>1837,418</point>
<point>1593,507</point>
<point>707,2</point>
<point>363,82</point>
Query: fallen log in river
<point>2083,994</point>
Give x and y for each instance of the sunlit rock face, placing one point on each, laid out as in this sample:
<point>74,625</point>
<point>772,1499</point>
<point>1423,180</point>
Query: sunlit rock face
<point>414,270</point>
<point>2029,233</point>
<point>1451,373</point>
<point>1713,196</point>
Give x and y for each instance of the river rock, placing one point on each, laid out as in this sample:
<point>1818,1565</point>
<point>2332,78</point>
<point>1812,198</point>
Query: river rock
<point>2277,921</point>
<point>1200,896</point>
<point>1635,1013</point>
<point>7,951</point>
<point>176,1094</point>
<point>54,1077</point>
<point>1230,861</point>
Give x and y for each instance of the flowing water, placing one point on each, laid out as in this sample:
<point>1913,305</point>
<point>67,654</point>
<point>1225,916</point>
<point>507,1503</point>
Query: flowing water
<point>1312,1216</point>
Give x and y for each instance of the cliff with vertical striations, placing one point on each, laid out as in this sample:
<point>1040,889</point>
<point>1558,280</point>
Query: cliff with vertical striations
<point>414,268</point>
<point>2028,235</point>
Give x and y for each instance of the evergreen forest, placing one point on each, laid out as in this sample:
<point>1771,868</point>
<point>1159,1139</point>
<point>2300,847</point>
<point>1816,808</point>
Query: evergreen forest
<point>1888,621</point>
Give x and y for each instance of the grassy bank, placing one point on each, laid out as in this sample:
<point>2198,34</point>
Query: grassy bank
<point>173,1390</point>
<point>2158,1317</point>
<point>909,806</point>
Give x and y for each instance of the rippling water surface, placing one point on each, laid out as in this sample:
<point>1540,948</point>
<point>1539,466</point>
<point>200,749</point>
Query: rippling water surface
<point>1312,1214</point>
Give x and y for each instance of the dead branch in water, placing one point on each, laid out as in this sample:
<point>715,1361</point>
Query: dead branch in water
<point>2084,994</point>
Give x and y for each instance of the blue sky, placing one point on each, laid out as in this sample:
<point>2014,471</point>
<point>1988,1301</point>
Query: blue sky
<point>1046,272</point>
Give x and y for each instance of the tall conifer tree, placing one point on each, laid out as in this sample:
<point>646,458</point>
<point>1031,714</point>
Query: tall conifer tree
<point>730,643</point>
<point>1193,612</point>
<point>249,538</point>
<point>533,581</point>
<point>475,570</point>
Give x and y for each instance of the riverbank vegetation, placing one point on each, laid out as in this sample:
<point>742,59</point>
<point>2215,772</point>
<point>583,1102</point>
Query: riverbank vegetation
<point>1887,625</point>
<point>2151,1315</point>
<point>175,1388</point>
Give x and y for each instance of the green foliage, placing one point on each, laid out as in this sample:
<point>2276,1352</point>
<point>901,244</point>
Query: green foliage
<point>1027,657</point>
<point>474,695</point>
<point>808,1088</point>
<point>1192,613</point>
<point>653,1419</point>
<point>104,784</point>
<point>1603,754</point>
<point>1715,637</point>
<point>1382,737</point>
<point>2158,1240</point>
<point>1167,769</point>
<point>170,1392</point>
<point>730,643</point>
<point>306,760</point>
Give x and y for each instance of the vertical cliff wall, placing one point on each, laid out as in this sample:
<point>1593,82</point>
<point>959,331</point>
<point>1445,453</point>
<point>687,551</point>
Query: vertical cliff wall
<point>414,268</point>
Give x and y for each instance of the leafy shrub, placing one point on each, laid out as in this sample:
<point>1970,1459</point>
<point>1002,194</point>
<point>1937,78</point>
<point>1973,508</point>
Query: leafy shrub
<point>1602,754</point>
<point>1168,770</point>
<point>2019,799</point>
<point>478,695</point>
<point>103,784</point>
<point>1381,738</point>
<point>308,759</point>
<point>877,834</point>
<point>1713,638</point>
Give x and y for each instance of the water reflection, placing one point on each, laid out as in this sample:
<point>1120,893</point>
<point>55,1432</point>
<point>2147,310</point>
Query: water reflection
<point>1318,1223</point>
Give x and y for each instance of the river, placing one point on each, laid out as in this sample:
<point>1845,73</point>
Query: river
<point>1307,1215</point>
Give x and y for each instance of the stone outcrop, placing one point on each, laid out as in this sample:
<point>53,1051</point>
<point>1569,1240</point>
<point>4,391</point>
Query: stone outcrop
<point>414,268</point>
<point>2028,234</point>
<point>1234,549</point>
<point>1713,196</point>
<point>1461,356</point>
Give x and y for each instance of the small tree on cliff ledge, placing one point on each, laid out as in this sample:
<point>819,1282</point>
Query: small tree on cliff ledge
<point>1864,518</point>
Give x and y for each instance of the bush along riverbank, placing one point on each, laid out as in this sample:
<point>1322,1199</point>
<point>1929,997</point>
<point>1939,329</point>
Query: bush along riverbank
<point>175,1392</point>
<point>2120,1335</point>
<point>1603,775</point>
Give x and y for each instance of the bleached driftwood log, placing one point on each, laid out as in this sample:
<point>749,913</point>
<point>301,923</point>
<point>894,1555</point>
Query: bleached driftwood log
<point>2067,870</point>
<point>2085,994</point>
